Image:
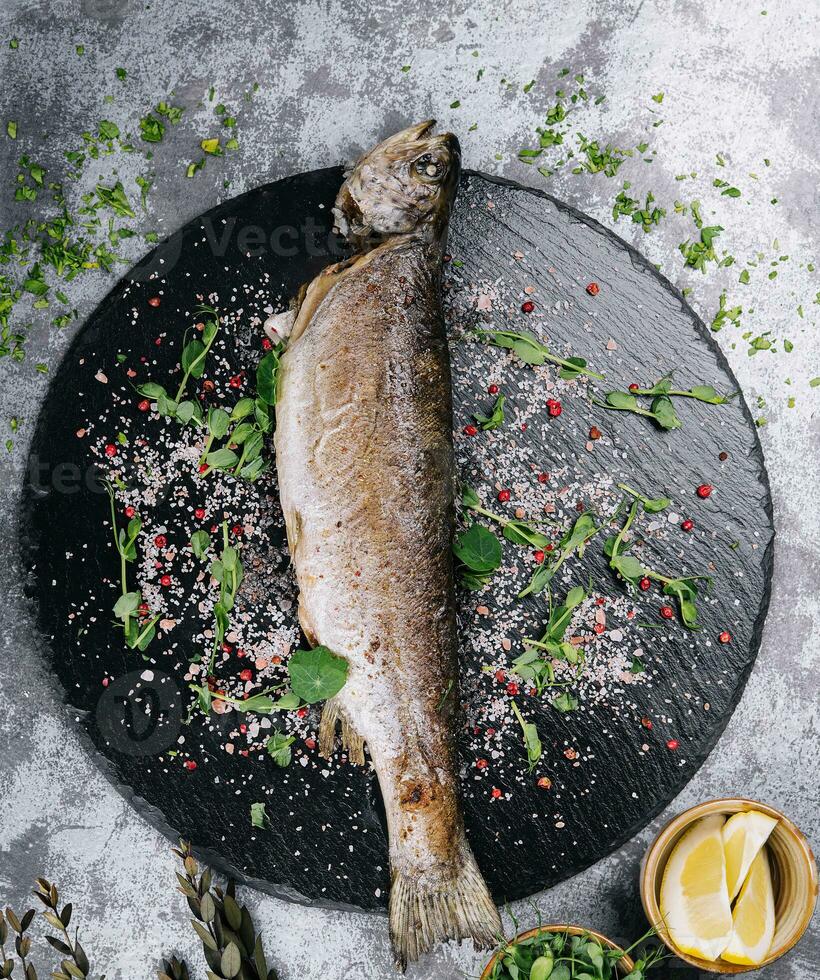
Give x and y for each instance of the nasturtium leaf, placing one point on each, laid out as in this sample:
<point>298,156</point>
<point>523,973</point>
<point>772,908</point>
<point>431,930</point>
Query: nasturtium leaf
<point>317,674</point>
<point>478,549</point>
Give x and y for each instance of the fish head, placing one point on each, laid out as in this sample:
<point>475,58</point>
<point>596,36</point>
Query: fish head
<point>405,185</point>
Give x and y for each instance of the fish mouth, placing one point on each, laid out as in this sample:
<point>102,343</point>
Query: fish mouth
<point>418,137</point>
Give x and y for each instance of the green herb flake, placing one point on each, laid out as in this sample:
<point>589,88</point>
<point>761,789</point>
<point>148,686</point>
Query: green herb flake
<point>11,129</point>
<point>259,817</point>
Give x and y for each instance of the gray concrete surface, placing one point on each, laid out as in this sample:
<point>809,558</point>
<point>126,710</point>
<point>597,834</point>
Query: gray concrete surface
<point>739,78</point>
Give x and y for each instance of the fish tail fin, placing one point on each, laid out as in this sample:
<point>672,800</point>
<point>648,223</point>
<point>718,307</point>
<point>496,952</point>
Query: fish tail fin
<point>352,742</point>
<point>461,908</point>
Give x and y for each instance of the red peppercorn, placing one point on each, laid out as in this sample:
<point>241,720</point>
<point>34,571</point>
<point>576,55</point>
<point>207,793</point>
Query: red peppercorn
<point>273,660</point>
<point>538,557</point>
<point>481,763</point>
<point>266,344</point>
<point>512,688</point>
<point>543,477</point>
<point>553,408</point>
<point>500,676</point>
<point>634,386</point>
<point>129,512</point>
<point>302,713</point>
<point>190,765</point>
<point>645,584</point>
<point>527,306</point>
<point>245,675</point>
<point>154,301</point>
<point>490,732</point>
<point>470,430</point>
<point>199,513</point>
<point>241,655</point>
<point>725,637</point>
<point>504,496</point>
<point>492,390</point>
<point>667,612</point>
<point>647,723</point>
<point>144,405</point>
<point>203,468</point>
<point>160,541</point>
<point>110,450</point>
<point>235,381</point>
<point>310,743</point>
<point>672,744</point>
<point>594,433</point>
<point>496,793</point>
<point>704,491</point>
<point>165,580</point>
<point>544,783</point>
<point>549,547</point>
<point>105,682</point>
<point>226,648</point>
<point>593,289</point>
<point>600,601</point>
<point>687,525</point>
<point>599,628</point>
<point>243,728</point>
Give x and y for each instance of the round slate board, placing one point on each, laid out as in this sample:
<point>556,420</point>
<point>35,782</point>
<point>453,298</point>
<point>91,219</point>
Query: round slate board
<point>610,774</point>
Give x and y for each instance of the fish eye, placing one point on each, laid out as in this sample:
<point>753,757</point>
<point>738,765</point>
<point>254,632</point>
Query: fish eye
<point>429,167</point>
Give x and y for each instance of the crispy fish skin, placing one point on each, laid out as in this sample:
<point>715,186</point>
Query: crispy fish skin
<point>366,476</point>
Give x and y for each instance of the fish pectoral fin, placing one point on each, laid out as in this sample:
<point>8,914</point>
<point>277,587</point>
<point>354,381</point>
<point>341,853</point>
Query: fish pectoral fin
<point>352,742</point>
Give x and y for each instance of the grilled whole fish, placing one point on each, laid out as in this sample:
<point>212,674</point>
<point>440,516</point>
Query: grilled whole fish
<point>364,452</point>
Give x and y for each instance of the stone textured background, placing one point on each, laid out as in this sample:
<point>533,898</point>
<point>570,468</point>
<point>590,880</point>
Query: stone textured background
<point>740,79</point>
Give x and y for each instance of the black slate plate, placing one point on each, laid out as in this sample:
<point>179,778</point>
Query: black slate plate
<point>327,842</point>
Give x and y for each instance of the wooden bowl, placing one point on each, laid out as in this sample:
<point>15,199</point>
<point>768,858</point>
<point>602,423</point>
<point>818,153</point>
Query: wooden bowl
<point>794,878</point>
<point>625,965</point>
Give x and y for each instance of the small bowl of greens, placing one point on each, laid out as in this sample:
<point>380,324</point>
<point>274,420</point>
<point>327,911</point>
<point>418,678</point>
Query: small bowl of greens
<point>560,952</point>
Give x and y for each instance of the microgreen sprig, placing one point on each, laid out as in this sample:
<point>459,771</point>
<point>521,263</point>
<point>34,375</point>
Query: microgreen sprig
<point>514,529</point>
<point>127,606</point>
<point>531,351</point>
<point>652,505</point>
<point>574,541</point>
<point>683,589</point>
<point>661,411</point>
<point>496,417</point>
<point>315,675</point>
<point>532,743</point>
<point>194,354</point>
<point>228,572</point>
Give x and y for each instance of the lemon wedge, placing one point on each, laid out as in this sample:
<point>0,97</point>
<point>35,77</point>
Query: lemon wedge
<point>694,900</point>
<point>753,916</point>
<point>744,834</point>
